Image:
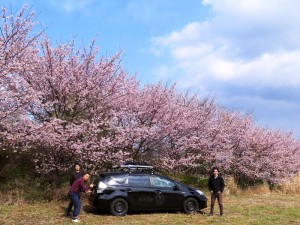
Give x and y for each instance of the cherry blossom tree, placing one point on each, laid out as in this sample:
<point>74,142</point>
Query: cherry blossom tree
<point>17,45</point>
<point>16,49</point>
<point>62,104</point>
<point>267,155</point>
<point>74,95</point>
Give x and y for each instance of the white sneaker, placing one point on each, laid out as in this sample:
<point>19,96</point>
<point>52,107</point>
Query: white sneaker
<point>75,220</point>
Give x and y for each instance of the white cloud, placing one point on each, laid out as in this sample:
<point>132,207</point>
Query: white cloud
<point>263,10</point>
<point>253,45</point>
<point>242,52</point>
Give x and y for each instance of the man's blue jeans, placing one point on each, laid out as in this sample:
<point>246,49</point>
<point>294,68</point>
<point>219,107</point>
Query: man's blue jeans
<point>74,197</point>
<point>71,205</point>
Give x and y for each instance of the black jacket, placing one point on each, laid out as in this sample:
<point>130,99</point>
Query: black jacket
<point>74,177</point>
<point>216,184</point>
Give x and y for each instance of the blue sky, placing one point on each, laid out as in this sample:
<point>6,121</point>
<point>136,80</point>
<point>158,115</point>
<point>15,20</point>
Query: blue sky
<point>246,53</point>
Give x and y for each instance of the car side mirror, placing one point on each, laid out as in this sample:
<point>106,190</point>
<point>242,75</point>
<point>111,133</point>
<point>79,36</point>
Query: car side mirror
<point>176,187</point>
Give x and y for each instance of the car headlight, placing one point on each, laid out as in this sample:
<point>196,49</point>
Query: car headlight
<point>101,187</point>
<point>200,192</point>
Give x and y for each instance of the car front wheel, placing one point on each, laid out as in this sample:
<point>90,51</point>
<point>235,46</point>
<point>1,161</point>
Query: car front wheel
<point>119,207</point>
<point>190,205</point>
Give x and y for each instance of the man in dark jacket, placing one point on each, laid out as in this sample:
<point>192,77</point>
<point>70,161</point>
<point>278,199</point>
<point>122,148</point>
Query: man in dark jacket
<point>216,186</point>
<point>74,176</point>
<point>77,187</point>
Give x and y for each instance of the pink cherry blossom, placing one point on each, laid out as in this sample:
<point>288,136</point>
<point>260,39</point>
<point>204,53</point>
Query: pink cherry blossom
<point>62,104</point>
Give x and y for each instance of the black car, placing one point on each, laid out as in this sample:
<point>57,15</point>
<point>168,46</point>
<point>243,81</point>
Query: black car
<point>138,188</point>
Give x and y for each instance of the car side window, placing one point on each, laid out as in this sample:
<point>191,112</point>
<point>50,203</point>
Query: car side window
<point>161,182</point>
<point>139,180</point>
<point>117,179</point>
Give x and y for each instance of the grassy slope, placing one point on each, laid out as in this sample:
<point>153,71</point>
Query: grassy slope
<point>247,209</point>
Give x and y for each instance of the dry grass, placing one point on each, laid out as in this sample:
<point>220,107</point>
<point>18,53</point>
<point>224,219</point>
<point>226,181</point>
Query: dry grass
<point>262,189</point>
<point>239,209</point>
<point>19,192</point>
<point>12,198</point>
<point>291,187</point>
<point>255,205</point>
<point>233,189</point>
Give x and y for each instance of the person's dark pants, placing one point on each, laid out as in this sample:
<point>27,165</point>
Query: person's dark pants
<point>215,196</point>
<point>71,206</point>
<point>75,200</point>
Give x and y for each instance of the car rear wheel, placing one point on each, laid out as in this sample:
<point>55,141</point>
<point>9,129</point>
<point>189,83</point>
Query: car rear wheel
<point>119,207</point>
<point>190,205</point>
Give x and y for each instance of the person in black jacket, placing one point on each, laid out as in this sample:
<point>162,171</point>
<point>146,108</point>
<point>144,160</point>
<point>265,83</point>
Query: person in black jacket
<point>77,173</point>
<point>216,186</point>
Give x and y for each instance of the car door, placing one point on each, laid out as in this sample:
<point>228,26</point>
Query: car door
<point>140,192</point>
<point>168,195</point>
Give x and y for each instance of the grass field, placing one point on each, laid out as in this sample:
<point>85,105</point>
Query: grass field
<point>239,209</point>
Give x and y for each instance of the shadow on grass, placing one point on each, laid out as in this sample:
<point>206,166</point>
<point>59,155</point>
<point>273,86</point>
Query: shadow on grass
<point>64,211</point>
<point>202,213</point>
<point>91,210</point>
